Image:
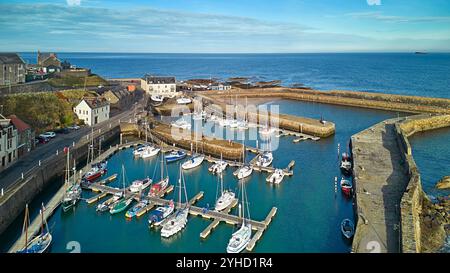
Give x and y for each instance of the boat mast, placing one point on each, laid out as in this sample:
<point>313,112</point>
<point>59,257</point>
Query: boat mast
<point>179,191</point>
<point>123,179</point>
<point>162,163</point>
<point>25,226</point>
<point>184,186</point>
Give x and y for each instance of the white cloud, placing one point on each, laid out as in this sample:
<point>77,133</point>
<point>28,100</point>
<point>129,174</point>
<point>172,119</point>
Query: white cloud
<point>73,2</point>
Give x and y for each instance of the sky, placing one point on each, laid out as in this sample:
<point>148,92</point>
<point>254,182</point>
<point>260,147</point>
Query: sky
<point>225,26</point>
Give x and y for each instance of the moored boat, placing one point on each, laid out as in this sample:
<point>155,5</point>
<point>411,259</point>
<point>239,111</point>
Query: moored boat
<point>193,162</point>
<point>226,198</point>
<point>73,189</point>
<point>134,211</point>
<point>175,156</point>
<point>138,185</point>
<point>157,216</point>
<point>157,98</point>
<point>276,177</point>
<point>347,228</point>
<point>108,204</point>
<point>346,187</point>
<point>182,124</point>
<point>41,243</point>
<point>184,100</point>
<point>149,151</point>
<point>96,171</point>
<point>264,159</point>
<point>123,203</point>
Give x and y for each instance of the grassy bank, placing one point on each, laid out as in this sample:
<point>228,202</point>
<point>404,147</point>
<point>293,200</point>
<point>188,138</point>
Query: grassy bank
<point>77,82</point>
<point>42,111</point>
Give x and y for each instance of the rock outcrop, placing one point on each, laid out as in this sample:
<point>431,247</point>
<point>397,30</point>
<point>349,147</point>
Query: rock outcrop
<point>444,183</point>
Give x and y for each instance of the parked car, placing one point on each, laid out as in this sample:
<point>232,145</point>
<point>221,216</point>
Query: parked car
<point>48,135</point>
<point>74,127</point>
<point>42,139</point>
<point>62,131</point>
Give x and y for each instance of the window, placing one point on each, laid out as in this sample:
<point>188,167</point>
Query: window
<point>9,143</point>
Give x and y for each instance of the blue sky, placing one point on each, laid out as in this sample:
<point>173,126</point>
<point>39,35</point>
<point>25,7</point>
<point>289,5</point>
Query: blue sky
<point>226,26</point>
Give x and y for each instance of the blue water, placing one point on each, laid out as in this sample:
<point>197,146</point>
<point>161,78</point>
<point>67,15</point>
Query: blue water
<point>397,73</point>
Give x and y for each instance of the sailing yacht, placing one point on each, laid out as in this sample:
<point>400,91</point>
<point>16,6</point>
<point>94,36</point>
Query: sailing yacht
<point>108,204</point>
<point>41,243</point>
<point>182,124</point>
<point>137,208</point>
<point>226,197</point>
<point>162,184</point>
<point>175,156</point>
<point>219,166</point>
<point>138,185</point>
<point>264,159</point>
<point>276,177</point>
<point>97,169</point>
<point>246,170</point>
<point>149,151</point>
<point>240,238</point>
<point>73,189</point>
<point>123,203</point>
<point>179,219</point>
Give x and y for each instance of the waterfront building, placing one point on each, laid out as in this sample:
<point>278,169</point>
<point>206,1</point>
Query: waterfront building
<point>12,69</point>
<point>162,86</point>
<point>93,110</point>
<point>49,62</point>
<point>25,135</point>
<point>8,143</point>
<point>220,87</point>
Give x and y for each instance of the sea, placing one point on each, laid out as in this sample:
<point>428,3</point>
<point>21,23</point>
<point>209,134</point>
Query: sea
<point>310,210</point>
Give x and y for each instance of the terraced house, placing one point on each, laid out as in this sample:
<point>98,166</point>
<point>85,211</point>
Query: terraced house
<point>12,69</point>
<point>93,110</point>
<point>8,143</point>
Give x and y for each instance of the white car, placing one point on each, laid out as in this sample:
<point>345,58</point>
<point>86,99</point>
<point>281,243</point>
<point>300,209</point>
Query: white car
<point>74,127</point>
<point>48,135</point>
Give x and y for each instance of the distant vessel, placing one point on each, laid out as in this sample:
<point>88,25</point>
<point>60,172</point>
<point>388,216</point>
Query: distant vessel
<point>219,166</point>
<point>182,124</point>
<point>160,213</point>
<point>199,115</point>
<point>163,182</point>
<point>240,239</point>
<point>179,219</point>
<point>41,242</point>
<point>347,228</point>
<point>226,197</point>
<point>420,52</point>
<point>175,156</point>
<point>184,100</point>
<point>246,170</point>
<point>157,98</point>
<point>346,166</point>
<point>97,169</point>
<point>264,159</point>
<point>276,177</point>
<point>346,187</point>
<point>267,131</point>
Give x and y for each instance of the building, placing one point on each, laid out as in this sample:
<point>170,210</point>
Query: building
<point>12,69</point>
<point>220,87</point>
<point>8,143</point>
<point>93,110</point>
<point>48,59</point>
<point>25,135</point>
<point>164,86</point>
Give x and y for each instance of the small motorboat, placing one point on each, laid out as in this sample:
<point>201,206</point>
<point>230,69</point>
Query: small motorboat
<point>184,100</point>
<point>108,204</point>
<point>193,162</point>
<point>276,177</point>
<point>267,131</point>
<point>157,98</point>
<point>346,156</point>
<point>264,159</point>
<point>218,167</point>
<point>346,167</point>
<point>346,187</point>
<point>96,171</point>
<point>138,185</point>
<point>347,228</point>
<point>150,151</point>
<point>157,216</point>
<point>175,156</point>
<point>138,150</point>
<point>199,115</point>
<point>134,211</point>
<point>244,171</point>
<point>121,205</point>
<point>182,124</point>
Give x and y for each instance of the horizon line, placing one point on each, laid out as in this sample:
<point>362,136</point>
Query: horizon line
<point>255,53</point>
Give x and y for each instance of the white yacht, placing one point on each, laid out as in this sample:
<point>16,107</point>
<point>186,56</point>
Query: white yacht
<point>179,219</point>
<point>157,216</point>
<point>264,159</point>
<point>226,197</point>
<point>182,124</point>
<point>199,115</point>
<point>244,171</point>
<point>193,162</point>
<point>150,151</point>
<point>276,177</point>
<point>157,98</point>
<point>267,131</point>
<point>240,238</point>
<point>139,185</point>
<point>243,125</point>
<point>233,124</point>
<point>218,167</point>
<point>184,100</point>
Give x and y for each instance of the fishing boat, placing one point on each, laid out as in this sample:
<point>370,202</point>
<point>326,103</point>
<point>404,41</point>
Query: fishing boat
<point>157,98</point>
<point>346,167</point>
<point>346,156</point>
<point>41,243</point>
<point>179,219</point>
<point>346,186</point>
<point>134,211</point>
<point>157,216</point>
<point>226,197</point>
<point>219,166</point>
<point>182,124</point>
<point>108,204</point>
<point>347,228</point>
<point>192,162</point>
<point>276,177</point>
<point>150,151</point>
<point>175,156</point>
<point>162,184</point>
<point>240,238</point>
<point>123,203</point>
<point>138,185</point>
<point>96,171</point>
<point>246,170</point>
<point>184,100</point>
<point>73,189</point>
<point>264,159</point>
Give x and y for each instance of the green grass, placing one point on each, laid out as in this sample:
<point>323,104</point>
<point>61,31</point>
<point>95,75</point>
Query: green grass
<point>77,82</point>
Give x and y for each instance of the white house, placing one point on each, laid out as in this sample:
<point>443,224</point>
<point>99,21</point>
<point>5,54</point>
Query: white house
<point>8,143</point>
<point>220,87</point>
<point>163,86</point>
<point>92,110</point>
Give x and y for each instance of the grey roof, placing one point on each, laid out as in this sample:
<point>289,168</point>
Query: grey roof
<point>10,58</point>
<point>96,102</point>
<point>159,79</point>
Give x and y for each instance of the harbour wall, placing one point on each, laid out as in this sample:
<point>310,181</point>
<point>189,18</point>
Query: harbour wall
<point>399,103</point>
<point>24,190</point>
<point>414,198</point>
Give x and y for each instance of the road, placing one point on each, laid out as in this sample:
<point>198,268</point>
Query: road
<point>43,151</point>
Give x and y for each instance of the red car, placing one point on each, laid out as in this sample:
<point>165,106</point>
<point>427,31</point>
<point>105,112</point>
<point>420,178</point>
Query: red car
<point>42,140</point>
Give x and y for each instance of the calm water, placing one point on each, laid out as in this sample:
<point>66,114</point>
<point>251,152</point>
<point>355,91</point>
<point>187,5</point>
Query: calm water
<point>309,211</point>
<point>407,73</point>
